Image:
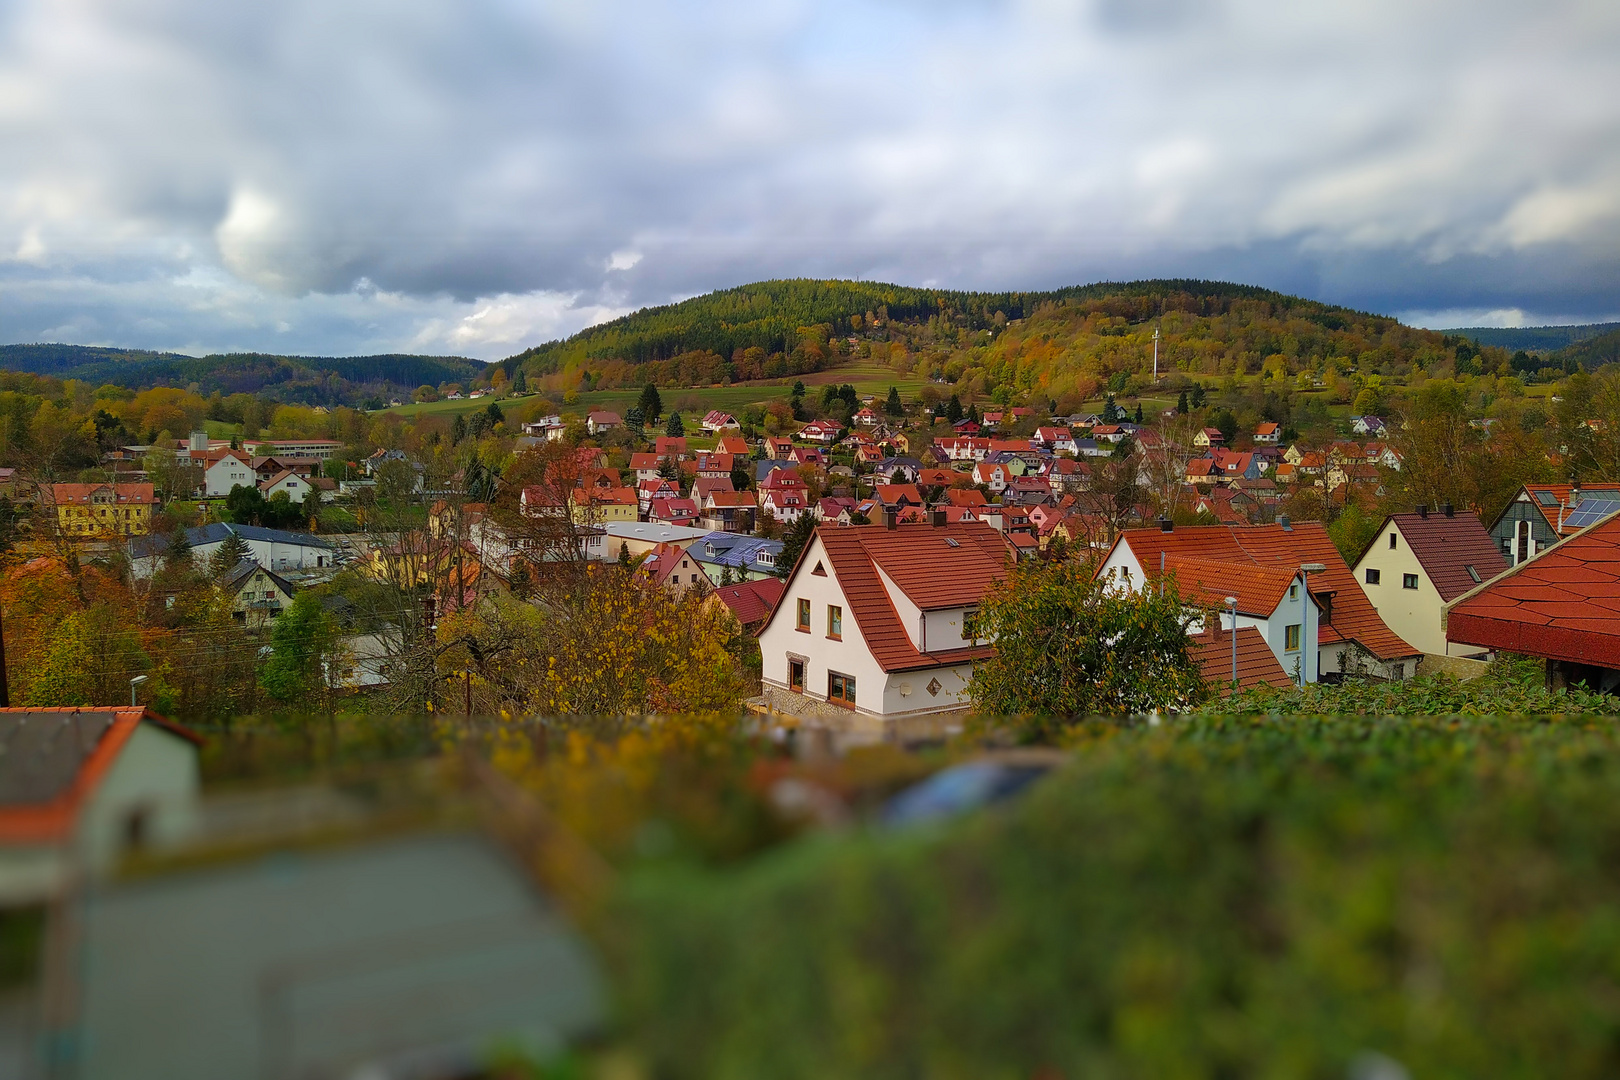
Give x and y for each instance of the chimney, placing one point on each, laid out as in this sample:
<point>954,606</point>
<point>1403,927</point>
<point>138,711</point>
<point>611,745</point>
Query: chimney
<point>1574,493</point>
<point>891,519</point>
<point>1423,511</point>
<point>1287,526</point>
<point>937,519</point>
<point>1166,525</point>
<point>1445,508</point>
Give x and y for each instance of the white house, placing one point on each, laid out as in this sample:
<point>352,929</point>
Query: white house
<point>273,549</point>
<point>80,786</point>
<point>874,625</point>
<point>717,421</point>
<point>1270,599</point>
<point>231,470</point>
<point>601,420</point>
<point>297,487</point>
<point>821,431</point>
<point>1348,633</point>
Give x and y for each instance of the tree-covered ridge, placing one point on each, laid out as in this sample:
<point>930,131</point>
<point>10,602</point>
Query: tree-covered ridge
<point>315,380</point>
<point>781,317</point>
<point>1532,338</point>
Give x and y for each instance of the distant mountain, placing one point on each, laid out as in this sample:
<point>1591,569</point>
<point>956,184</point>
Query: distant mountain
<point>322,380</point>
<point>1532,338</point>
<point>1593,352</point>
<point>778,317</point>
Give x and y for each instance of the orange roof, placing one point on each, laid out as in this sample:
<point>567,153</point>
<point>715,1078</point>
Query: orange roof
<point>1258,589</point>
<point>52,817</point>
<point>127,494</point>
<point>893,493</point>
<point>1256,664</point>
<point>1354,617</point>
<point>966,497</point>
<point>752,601</point>
<point>734,445</point>
<point>1561,604</point>
<point>1560,509</point>
<point>934,566</point>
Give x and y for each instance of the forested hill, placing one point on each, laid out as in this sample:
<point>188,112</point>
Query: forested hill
<point>780,328</point>
<point>775,316</point>
<point>1534,338</point>
<point>314,380</point>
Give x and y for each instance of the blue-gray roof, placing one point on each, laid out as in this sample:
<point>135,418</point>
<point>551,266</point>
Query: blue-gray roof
<point>732,549</point>
<point>157,543</point>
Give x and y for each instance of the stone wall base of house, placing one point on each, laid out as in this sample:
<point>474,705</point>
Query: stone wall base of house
<point>1461,668</point>
<point>849,727</point>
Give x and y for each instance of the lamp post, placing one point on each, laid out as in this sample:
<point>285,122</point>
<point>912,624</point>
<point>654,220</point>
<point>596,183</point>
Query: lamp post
<point>1305,570</point>
<point>1231,602</point>
<point>133,685</point>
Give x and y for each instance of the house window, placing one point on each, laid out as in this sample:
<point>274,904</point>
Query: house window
<point>1373,577</point>
<point>1408,581</point>
<point>804,616</point>
<point>840,688</point>
<point>796,676</point>
<point>1392,541</point>
<point>835,622</point>
<point>1291,638</point>
<point>1293,592</point>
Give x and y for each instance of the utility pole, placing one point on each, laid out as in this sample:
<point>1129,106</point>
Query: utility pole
<point>1232,602</point>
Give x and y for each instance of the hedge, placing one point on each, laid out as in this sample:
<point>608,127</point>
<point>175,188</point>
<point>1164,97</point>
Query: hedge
<point>1218,897</point>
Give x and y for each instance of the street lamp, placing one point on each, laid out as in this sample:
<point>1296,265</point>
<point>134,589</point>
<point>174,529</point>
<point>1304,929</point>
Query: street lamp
<point>133,684</point>
<point>1305,570</point>
<point>1231,602</point>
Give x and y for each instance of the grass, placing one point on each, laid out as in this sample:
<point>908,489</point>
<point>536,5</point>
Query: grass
<point>867,378</point>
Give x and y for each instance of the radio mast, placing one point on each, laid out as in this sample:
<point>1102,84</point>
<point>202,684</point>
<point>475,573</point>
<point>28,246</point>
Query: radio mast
<point>1155,354</point>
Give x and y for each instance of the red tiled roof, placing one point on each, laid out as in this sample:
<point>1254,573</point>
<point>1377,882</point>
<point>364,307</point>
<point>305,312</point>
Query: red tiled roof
<point>966,497</point>
<point>931,572</point>
<point>1256,664</point>
<point>44,822</point>
<point>1561,494</point>
<point>937,477</point>
<point>125,494</point>
<point>752,601</point>
<point>1354,617</point>
<point>1446,547</point>
<point>893,493</point>
<point>1258,589</point>
<point>1561,604</point>
<point>666,559</point>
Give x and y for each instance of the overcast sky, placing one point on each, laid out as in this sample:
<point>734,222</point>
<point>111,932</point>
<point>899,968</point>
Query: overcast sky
<point>319,176</point>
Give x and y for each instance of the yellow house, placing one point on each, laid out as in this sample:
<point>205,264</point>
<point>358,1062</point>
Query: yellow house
<point>90,510</point>
<point>597,506</point>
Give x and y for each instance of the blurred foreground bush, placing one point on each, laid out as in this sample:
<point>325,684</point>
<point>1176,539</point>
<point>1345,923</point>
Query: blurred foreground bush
<point>1219,897</point>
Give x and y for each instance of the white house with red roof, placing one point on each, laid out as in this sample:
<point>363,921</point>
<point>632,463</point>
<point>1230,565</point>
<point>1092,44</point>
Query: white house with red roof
<point>674,568</point>
<point>717,421</point>
<point>868,417</point>
<point>78,785</point>
<point>1054,439</point>
<point>230,470</point>
<point>1344,627</point>
<point>820,431</point>
<point>874,625</point>
<point>1208,437</point>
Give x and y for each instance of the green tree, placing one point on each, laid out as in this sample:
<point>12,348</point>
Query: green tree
<point>1226,423</point>
<point>1069,646</point>
<point>794,543</point>
<point>303,648</point>
<point>178,550</point>
<point>652,406</point>
<point>1181,403</point>
<point>675,428</point>
<point>1138,412</point>
<point>624,554</point>
<point>1198,396</point>
<point>893,406</point>
<point>228,555</point>
<point>953,409</point>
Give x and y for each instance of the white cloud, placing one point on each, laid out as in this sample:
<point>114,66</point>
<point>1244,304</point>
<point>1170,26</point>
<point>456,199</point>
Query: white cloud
<point>180,171</point>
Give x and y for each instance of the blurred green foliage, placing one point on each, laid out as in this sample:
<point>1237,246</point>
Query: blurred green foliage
<point>1220,896</point>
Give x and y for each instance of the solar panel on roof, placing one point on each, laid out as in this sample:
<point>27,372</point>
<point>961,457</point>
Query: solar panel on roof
<point>1590,512</point>
<point>1546,498</point>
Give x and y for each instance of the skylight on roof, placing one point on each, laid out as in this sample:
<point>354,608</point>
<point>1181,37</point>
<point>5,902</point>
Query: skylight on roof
<point>1546,498</point>
<point>1472,573</point>
<point>952,542</point>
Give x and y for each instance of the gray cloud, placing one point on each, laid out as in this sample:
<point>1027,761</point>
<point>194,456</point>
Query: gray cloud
<point>478,176</point>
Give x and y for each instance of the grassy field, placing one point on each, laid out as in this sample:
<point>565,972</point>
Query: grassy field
<point>868,379</point>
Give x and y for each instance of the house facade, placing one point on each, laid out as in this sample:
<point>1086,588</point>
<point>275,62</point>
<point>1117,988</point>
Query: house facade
<point>86,511</point>
<point>229,471</point>
<point>874,626</point>
<point>1418,563</point>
